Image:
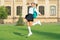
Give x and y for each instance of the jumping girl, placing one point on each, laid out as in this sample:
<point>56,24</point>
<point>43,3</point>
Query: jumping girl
<point>30,16</point>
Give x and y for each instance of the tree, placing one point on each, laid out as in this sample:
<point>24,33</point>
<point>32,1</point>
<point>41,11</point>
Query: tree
<point>20,21</point>
<point>3,14</point>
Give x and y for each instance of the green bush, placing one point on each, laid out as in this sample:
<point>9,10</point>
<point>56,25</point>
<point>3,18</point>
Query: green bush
<point>3,14</point>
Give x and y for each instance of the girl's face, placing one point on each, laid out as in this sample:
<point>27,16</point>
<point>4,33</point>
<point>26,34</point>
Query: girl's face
<point>33,5</point>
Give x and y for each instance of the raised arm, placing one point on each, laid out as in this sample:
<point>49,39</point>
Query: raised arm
<point>37,12</point>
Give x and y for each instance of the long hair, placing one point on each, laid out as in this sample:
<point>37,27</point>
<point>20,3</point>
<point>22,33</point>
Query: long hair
<point>36,5</point>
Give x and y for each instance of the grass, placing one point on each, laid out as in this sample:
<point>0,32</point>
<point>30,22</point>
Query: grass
<point>48,31</point>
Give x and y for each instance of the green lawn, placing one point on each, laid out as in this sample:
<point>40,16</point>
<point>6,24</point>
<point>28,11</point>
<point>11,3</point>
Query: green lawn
<point>49,31</point>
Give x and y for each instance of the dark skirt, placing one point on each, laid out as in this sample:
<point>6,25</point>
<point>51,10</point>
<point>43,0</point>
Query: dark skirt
<point>29,17</point>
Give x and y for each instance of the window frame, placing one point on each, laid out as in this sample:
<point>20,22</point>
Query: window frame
<point>43,10</point>
<point>17,9</point>
<point>9,13</point>
<point>53,14</point>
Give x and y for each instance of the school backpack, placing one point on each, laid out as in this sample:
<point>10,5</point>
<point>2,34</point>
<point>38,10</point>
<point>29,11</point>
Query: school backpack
<point>34,13</point>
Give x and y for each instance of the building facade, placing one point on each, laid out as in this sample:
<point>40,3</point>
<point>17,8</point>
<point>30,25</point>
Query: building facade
<point>50,9</point>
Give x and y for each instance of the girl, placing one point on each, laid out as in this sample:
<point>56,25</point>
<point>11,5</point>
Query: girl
<point>29,17</point>
<point>38,21</point>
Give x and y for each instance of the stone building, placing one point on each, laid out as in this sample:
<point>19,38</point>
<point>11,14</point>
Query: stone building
<point>50,9</point>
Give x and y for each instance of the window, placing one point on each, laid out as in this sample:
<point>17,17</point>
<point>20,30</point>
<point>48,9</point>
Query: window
<point>19,10</point>
<point>52,10</point>
<point>41,9</point>
<point>9,9</point>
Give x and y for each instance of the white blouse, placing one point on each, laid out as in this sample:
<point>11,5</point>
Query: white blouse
<point>31,10</point>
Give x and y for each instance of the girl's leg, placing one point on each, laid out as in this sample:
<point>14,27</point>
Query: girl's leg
<point>37,22</point>
<point>29,29</point>
<point>31,23</point>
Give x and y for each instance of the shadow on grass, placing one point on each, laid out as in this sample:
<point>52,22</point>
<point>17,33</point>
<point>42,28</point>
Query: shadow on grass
<point>19,34</point>
<point>47,34</point>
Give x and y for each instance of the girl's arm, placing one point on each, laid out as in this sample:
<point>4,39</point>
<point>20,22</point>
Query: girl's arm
<point>37,12</point>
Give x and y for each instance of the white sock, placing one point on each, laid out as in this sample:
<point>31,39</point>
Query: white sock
<point>34,23</point>
<point>37,22</point>
<point>29,29</point>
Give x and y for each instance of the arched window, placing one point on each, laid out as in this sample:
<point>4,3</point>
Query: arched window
<point>19,10</point>
<point>41,10</point>
<point>9,9</point>
<point>52,10</point>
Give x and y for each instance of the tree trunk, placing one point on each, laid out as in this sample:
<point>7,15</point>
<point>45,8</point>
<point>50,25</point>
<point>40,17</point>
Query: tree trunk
<point>1,21</point>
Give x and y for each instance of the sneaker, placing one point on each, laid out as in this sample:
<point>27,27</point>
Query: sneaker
<point>29,34</point>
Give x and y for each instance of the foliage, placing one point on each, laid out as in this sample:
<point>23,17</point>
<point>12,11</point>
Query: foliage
<point>3,14</point>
